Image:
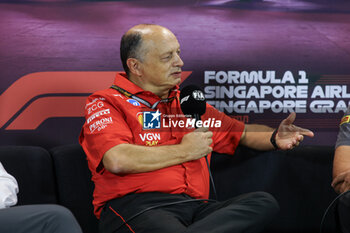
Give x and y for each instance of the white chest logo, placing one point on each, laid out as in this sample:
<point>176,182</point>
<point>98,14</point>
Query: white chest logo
<point>149,136</point>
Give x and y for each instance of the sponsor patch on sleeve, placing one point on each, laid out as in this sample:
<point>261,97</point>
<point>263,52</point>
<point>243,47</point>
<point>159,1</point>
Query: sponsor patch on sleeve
<point>345,119</point>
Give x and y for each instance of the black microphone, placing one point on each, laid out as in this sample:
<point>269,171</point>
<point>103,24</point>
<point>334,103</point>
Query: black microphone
<point>192,101</point>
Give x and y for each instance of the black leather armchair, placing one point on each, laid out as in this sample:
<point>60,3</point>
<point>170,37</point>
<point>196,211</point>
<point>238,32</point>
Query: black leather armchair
<point>299,179</point>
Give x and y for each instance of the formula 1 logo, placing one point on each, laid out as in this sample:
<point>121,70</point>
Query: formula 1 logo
<point>151,120</point>
<point>36,97</point>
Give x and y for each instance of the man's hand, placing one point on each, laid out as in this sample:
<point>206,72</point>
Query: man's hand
<point>197,143</point>
<point>288,135</point>
<point>341,183</point>
<point>130,158</point>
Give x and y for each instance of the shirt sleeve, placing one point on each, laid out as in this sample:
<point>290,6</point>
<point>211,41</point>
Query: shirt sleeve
<point>104,128</point>
<point>226,138</point>
<point>344,130</point>
<point>8,189</point>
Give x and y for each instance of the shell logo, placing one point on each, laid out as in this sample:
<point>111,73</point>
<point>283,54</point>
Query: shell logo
<point>139,117</point>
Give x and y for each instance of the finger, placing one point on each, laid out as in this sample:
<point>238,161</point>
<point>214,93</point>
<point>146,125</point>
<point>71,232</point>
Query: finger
<point>202,129</point>
<point>290,119</point>
<point>289,147</point>
<point>293,141</point>
<point>301,138</point>
<point>338,179</point>
<point>335,183</point>
<point>337,188</point>
<point>346,187</point>
<point>343,187</point>
<point>303,131</point>
<point>208,134</point>
<point>306,132</point>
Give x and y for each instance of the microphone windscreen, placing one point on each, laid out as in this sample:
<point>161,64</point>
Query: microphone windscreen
<point>192,101</point>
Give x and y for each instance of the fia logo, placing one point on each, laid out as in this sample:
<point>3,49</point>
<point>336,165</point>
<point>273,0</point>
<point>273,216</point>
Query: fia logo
<point>151,120</point>
<point>198,95</point>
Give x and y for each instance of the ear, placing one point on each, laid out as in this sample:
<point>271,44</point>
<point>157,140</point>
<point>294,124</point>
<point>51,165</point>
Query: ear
<point>134,66</point>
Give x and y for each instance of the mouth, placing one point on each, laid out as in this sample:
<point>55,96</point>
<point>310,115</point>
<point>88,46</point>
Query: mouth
<point>177,74</point>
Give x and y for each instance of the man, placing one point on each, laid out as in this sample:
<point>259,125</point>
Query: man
<point>149,177</point>
<point>341,170</point>
<point>44,218</point>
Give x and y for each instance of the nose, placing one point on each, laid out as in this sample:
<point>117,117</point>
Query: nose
<point>178,61</point>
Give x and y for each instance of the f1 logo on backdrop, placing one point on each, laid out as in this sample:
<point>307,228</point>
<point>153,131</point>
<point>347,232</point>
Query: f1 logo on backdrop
<point>36,97</point>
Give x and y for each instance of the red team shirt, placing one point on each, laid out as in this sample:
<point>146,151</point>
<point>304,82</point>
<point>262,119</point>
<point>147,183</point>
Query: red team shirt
<point>112,118</point>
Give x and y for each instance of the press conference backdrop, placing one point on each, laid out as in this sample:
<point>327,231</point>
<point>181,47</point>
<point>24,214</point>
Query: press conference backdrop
<point>255,60</point>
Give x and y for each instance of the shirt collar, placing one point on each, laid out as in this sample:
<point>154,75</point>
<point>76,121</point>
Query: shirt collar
<point>122,81</point>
